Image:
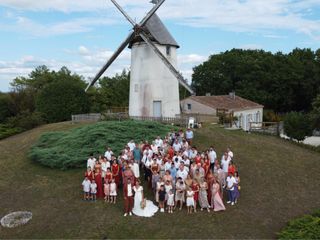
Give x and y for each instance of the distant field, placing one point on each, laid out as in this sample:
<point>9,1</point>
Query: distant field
<point>279,181</point>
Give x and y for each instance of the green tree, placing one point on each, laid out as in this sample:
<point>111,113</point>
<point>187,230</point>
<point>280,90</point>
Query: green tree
<point>5,111</point>
<point>315,113</point>
<point>297,126</point>
<point>59,100</point>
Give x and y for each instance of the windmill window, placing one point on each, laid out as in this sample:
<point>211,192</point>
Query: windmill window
<point>168,50</point>
<point>189,106</point>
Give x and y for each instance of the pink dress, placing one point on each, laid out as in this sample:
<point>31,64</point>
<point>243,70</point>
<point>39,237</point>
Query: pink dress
<point>216,200</point>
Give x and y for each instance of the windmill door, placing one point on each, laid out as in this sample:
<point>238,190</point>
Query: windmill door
<point>157,109</point>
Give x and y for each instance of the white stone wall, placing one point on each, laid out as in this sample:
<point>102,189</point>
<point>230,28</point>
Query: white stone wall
<point>151,80</point>
<point>196,107</point>
<point>247,116</point>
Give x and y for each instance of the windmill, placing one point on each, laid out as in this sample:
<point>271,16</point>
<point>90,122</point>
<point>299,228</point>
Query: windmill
<point>154,79</point>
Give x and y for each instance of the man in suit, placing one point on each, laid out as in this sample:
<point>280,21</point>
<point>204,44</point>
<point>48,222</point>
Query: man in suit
<point>128,197</point>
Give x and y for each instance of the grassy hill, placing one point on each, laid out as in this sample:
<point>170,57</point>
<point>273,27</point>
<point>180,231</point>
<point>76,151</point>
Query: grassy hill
<point>279,182</point>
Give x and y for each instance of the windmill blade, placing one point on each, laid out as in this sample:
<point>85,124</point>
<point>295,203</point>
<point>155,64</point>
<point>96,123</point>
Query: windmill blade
<point>173,70</point>
<point>111,59</point>
<point>145,19</point>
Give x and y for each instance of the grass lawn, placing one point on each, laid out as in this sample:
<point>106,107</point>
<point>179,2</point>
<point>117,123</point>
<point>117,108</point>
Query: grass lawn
<point>279,181</point>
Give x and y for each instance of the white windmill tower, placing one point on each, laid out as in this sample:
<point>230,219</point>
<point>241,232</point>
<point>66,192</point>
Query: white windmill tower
<point>154,80</point>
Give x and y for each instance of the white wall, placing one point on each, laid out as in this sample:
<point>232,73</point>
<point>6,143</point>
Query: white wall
<point>196,107</point>
<point>247,116</point>
<point>151,80</point>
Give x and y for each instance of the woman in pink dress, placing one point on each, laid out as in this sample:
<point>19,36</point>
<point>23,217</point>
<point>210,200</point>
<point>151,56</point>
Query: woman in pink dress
<point>216,201</point>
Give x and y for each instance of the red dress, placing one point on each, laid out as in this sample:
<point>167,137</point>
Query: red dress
<point>116,173</point>
<point>171,152</point>
<point>108,177</point>
<point>197,159</point>
<point>195,189</point>
<point>98,180</point>
<point>89,175</point>
<point>231,169</point>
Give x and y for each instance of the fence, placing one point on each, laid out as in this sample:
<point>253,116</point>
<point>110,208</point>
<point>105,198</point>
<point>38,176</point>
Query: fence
<point>273,128</point>
<point>91,117</point>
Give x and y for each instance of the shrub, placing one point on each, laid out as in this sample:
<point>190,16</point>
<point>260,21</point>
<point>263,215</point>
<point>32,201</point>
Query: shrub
<point>307,227</point>
<point>7,131</point>
<point>26,120</point>
<point>297,126</point>
<point>70,149</point>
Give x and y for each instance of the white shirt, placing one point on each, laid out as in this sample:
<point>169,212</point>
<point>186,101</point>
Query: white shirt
<point>212,156</point>
<point>230,181</point>
<point>86,185</point>
<point>176,147</point>
<point>91,162</point>
<point>159,161</point>
<point>105,165</point>
<point>108,154</point>
<point>129,190</point>
<point>131,145</point>
<point>189,134</point>
<point>167,166</point>
<point>230,154</point>
<point>158,142</point>
<point>225,164</point>
<point>183,174</point>
<point>135,170</point>
<point>93,187</point>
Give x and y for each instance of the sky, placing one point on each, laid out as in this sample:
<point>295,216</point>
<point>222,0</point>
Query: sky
<point>82,34</point>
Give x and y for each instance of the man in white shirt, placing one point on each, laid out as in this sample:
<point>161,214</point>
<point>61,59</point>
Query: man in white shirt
<point>91,162</point>
<point>225,160</point>
<point>131,145</point>
<point>104,166</point>
<point>182,172</point>
<point>135,168</point>
<point>158,142</point>
<point>212,157</point>
<point>231,181</point>
<point>189,136</point>
<point>230,153</point>
<point>108,154</point>
<point>176,146</point>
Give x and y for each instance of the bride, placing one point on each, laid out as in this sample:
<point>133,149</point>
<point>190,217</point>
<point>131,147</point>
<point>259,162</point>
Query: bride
<point>149,210</point>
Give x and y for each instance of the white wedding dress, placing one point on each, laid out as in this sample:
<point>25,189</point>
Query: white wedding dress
<point>149,210</point>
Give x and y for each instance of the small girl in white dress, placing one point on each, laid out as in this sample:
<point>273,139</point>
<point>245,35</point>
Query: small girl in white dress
<point>170,201</point>
<point>113,191</point>
<point>190,200</point>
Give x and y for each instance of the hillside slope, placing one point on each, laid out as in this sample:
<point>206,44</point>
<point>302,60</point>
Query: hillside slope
<point>279,181</point>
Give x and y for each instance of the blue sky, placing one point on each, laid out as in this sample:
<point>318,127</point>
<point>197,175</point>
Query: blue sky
<point>82,34</point>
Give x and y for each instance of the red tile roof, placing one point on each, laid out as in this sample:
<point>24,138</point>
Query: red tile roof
<point>226,102</point>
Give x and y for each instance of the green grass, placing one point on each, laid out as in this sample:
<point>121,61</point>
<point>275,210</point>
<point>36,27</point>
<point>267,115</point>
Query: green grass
<point>279,182</point>
<point>70,149</point>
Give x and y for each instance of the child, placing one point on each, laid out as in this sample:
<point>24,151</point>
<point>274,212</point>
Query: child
<point>93,190</point>
<point>162,198</point>
<point>190,200</point>
<point>106,190</point>
<point>86,188</point>
<point>113,191</point>
<point>170,201</point>
<point>167,188</point>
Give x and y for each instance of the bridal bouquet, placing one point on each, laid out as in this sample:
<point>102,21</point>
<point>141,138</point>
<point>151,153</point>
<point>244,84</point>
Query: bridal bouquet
<point>143,203</point>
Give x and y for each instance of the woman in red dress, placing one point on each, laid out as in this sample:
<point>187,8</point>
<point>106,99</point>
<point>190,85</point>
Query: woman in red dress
<point>195,188</point>
<point>206,167</point>
<point>89,174</point>
<point>115,169</point>
<point>98,180</point>
<point>231,168</point>
<point>108,176</point>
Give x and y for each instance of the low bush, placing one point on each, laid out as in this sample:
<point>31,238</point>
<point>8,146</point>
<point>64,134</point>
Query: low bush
<point>306,227</point>
<point>7,131</point>
<point>26,120</point>
<point>71,149</point>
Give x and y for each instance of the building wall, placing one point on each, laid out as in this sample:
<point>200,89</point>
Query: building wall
<point>196,107</point>
<point>247,116</point>
<point>151,80</point>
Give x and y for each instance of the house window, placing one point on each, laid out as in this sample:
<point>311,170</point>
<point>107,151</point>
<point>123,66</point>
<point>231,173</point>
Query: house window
<point>168,50</point>
<point>189,106</point>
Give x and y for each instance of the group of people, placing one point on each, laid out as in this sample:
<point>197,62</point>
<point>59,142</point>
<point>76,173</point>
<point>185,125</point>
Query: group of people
<point>176,172</point>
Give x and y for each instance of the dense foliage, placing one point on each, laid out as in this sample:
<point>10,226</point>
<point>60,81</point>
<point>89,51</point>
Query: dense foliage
<point>315,113</point>
<point>71,149</point>
<point>307,227</point>
<point>59,100</point>
<point>297,126</point>
<point>282,82</point>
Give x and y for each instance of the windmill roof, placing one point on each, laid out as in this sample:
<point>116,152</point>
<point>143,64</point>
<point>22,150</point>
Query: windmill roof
<point>158,31</point>
<point>226,102</point>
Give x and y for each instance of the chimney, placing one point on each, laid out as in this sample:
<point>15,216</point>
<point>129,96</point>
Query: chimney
<point>232,95</point>
<point>208,94</point>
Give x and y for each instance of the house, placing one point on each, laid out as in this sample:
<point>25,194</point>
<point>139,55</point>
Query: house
<point>244,110</point>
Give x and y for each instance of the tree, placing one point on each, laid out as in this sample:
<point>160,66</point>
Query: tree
<point>315,113</point>
<point>5,111</point>
<point>59,100</point>
<point>297,126</point>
